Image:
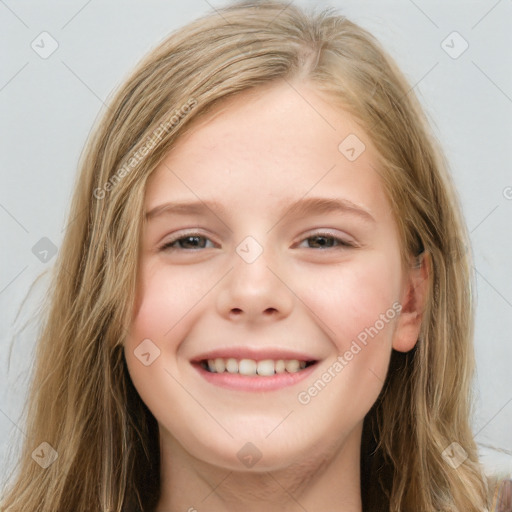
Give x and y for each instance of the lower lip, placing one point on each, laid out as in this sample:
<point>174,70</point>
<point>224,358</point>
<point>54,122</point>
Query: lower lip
<point>238,382</point>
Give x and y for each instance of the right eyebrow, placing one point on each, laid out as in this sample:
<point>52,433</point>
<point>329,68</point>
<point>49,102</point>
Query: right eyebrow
<point>184,208</point>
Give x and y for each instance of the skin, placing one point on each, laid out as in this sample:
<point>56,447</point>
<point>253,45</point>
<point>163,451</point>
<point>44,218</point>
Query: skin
<point>260,150</point>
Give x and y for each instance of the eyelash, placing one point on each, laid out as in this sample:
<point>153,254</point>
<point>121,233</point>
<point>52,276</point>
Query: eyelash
<point>341,243</point>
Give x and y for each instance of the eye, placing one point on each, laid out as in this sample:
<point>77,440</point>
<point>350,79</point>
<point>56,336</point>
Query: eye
<point>327,241</point>
<point>191,241</point>
<point>195,241</point>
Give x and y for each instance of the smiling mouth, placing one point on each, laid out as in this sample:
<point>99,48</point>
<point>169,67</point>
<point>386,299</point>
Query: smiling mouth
<point>250,367</point>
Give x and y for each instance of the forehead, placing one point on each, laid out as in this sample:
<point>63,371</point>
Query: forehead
<point>278,142</point>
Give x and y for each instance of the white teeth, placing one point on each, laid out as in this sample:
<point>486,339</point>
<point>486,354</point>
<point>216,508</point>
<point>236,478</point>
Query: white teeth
<point>247,367</point>
<point>264,368</point>
<point>292,366</point>
<point>232,365</point>
<point>220,365</point>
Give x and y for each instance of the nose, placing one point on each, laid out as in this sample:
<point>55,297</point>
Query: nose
<point>255,290</point>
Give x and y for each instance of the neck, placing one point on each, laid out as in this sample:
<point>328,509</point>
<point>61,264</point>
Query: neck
<point>319,482</point>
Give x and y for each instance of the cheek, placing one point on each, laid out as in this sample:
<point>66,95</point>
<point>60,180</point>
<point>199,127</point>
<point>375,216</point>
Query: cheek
<point>165,301</point>
<point>358,306</point>
<point>356,296</point>
<point>166,305</point>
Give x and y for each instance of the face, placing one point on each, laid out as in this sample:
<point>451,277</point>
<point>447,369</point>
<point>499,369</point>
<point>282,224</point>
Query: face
<point>269,248</point>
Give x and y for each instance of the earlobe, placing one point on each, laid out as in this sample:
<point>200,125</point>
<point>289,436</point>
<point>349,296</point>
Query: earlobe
<point>414,302</point>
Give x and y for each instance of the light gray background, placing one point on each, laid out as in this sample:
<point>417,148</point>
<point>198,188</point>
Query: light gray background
<point>48,107</point>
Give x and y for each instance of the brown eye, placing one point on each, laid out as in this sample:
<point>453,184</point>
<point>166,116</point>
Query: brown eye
<point>192,241</point>
<point>326,241</point>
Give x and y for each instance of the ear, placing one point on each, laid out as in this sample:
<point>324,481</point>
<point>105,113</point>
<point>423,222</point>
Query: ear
<point>413,301</point>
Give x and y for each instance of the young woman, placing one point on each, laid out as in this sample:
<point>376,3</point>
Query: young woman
<point>261,302</point>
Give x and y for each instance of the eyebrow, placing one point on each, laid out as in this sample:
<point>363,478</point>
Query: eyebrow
<point>298,208</point>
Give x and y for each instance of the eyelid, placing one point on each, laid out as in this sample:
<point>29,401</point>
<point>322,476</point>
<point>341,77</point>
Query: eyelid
<point>342,242</point>
<point>175,238</point>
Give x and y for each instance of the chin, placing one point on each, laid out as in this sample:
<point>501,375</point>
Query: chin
<point>246,452</point>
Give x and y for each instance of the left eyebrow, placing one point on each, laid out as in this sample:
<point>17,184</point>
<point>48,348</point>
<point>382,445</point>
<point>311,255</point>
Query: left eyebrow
<point>326,205</point>
<point>185,208</point>
<point>298,208</point>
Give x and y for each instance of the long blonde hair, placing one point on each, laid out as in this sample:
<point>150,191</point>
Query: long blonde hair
<point>82,401</point>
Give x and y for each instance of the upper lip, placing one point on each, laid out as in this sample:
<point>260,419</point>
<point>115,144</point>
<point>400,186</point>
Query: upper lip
<point>257,354</point>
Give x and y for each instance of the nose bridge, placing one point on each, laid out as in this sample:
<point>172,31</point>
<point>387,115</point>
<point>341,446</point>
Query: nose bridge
<point>251,273</point>
<point>253,287</point>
